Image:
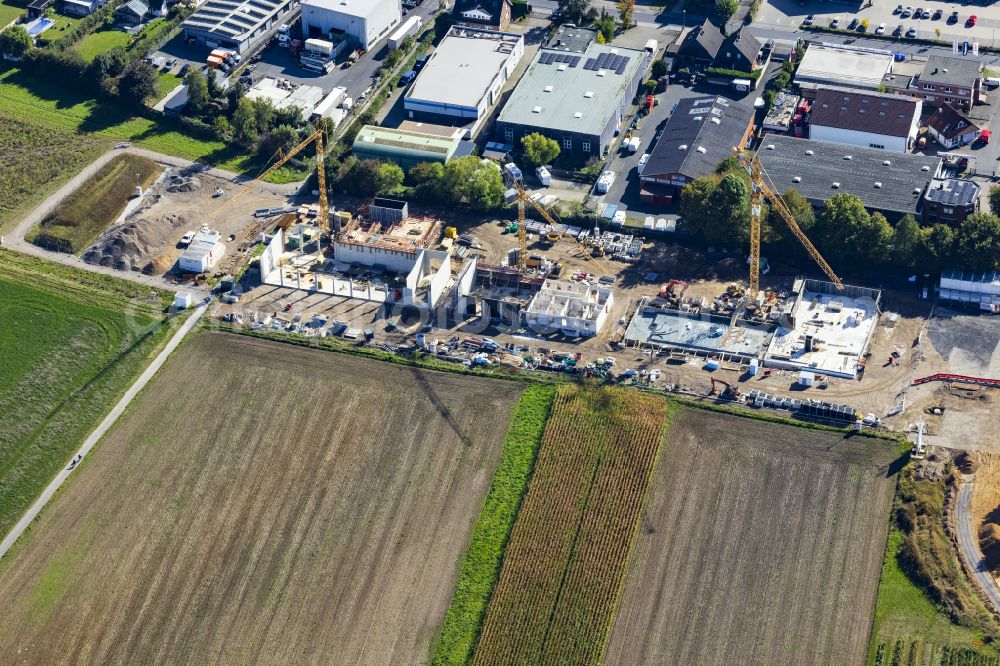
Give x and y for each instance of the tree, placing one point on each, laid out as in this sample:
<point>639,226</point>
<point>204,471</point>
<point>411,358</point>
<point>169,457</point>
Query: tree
<point>15,41</point>
<point>574,10</point>
<point>625,10</point>
<point>775,230</point>
<point>362,179</point>
<point>263,112</point>
<point>539,149</point>
<point>726,8</point>
<point>694,207</point>
<point>279,139</point>
<point>197,90</point>
<point>729,204</point>
<point>442,24</point>
<point>426,177</point>
<point>606,26</point>
<point>388,176</point>
<point>977,242</point>
<point>937,245</point>
<point>659,68</point>
<point>223,128</point>
<point>906,242</point>
<point>138,83</point>
<point>995,199</point>
<point>486,188</point>
<point>107,65</point>
<point>467,180</point>
<point>844,226</point>
<point>245,123</point>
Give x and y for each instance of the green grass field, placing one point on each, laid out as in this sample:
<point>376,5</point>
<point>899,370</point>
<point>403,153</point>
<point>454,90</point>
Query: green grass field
<point>78,220</point>
<point>70,343</point>
<point>64,23</point>
<point>100,42</point>
<point>37,160</point>
<point>905,613</point>
<point>166,82</point>
<point>10,10</point>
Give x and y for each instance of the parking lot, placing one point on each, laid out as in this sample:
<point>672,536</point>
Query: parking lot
<point>275,61</point>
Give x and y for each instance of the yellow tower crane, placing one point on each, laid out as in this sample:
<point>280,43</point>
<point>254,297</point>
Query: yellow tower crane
<point>762,187</point>
<point>524,200</point>
<point>319,136</point>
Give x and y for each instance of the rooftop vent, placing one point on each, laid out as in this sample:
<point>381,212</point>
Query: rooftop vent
<point>809,152</point>
<point>716,121</point>
<point>886,162</point>
<point>925,168</point>
<point>548,88</point>
<point>601,72</point>
<point>836,186</point>
<point>945,70</point>
<point>588,94</point>
<point>916,190</point>
<point>578,115</point>
<point>561,68</point>
<point>797,179</point>
<point>877,184</point>
<point>847,157</point>
<point>683,146</point>
<point>537,109</point>
<point>769,146</point>
<point>701,149</point>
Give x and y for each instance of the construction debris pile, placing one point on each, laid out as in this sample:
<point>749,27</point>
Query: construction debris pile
<point>618,246</point>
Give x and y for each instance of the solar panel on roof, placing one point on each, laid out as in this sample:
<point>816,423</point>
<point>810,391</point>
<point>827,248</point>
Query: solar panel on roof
<point>574,61</point>
<point>590,65</point>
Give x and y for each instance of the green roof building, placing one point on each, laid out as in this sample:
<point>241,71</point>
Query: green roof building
<point>404,147</point>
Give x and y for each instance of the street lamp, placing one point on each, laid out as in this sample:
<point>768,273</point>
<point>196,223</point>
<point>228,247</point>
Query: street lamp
<point>684,17</point>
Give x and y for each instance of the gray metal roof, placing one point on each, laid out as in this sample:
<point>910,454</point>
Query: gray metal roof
<point>701,132</point>
<point>884,181</point>
<point>573,92</point>
<point>234,20</point>
<point>702,42</point>
<point>953,192</point>
<point>571,38</point>
<point>957,71</point>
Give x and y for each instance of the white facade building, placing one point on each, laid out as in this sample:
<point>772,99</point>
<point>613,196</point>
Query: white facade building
<point>362,22</point>
<point>980,290</point>
<point>577,309</point>
<point>865,119</point>
<point>465,75</point>
<point>203,252</point>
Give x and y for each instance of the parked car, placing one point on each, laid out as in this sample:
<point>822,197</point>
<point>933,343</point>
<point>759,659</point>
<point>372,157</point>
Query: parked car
<point>918,12</point>
<point>953,17</point>
<point>926,14</point>
<point>971,22</point>
<point>937,14</point>
<point>853,24</point>
<point>809,20</point>
<point>407,78</point>
<point>421,61</point>
<point>906,13</point>
<point>912,32</point>
<point>880,30</point>
<point>984,138</point>
<point>184,70</point>
<point>835,23</point>
<point>897,31</point>
<point>898,9</point>
<point>642,162</point>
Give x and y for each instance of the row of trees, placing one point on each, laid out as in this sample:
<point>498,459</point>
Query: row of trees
<point>848,235</point>
<point>466,181</point>
<point>580,12</point>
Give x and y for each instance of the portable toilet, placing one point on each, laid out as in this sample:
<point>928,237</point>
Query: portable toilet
<point>753,367</point>
<point>712,365</point>
<point>807,378</point>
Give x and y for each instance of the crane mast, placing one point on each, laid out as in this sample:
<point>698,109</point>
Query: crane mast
<point>762,187</point>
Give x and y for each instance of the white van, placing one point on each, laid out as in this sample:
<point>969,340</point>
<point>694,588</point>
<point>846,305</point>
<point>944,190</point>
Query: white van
<point>544,177</point>
<point>605,182</point>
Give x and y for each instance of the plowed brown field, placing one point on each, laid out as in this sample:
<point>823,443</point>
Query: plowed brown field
<point>761,543</point>
<point>567,557</point>
<point>261,503</point>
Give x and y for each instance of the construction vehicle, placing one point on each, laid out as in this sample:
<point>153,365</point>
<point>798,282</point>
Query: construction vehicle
<point>729,391</point>
<point>671,294</point>
<point>522,233</point>
<point>762,187</point>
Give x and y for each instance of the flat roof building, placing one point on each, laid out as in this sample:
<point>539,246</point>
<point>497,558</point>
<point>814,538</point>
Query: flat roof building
<point>203,252</point>
<point>575,92</point>
<point>234,25</point>
<point>701,132</point>
<point>362,23</point>
<point>950,201</point>
<point>405,148</point>
<point>891,183</point>
<point>978,290</point>
<point>828,64</point>
<point>464,76</point>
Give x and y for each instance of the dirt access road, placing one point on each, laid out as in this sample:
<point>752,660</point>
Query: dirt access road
<point>761,543</point>
<point>968,543</point>
<point>262,503</point>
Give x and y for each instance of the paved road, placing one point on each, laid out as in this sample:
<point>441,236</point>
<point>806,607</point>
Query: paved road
<point>969,544</point>
<point>104,426</point>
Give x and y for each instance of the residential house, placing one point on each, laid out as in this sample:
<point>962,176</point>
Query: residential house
<point>864,118</point>
<point>80,7</point>
<point>945,80</point>
<point>699,48</point>
<point>950,201</point>
<point>950,128</point>
<point>740,52</point>
<point>132,13</point>
<point>493,14</point>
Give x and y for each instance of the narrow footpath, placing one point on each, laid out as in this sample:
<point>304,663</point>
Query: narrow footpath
<point>98,433</point>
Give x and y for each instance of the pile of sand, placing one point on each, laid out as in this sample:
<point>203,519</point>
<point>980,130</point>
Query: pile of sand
<point>183,183</point>
<point>989,543</point>
<point>131,245</point>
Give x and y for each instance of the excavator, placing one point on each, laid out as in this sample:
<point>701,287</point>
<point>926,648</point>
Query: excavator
<point>762,187</point>
<point>728,391</point>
